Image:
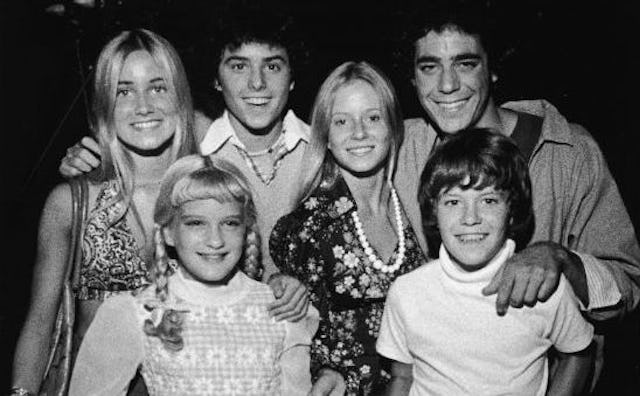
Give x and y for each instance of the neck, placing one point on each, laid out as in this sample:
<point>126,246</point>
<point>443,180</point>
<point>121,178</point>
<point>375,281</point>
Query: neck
<point>256,139</point>
<point>149,169</point>
<point>497,119</point>
<point>371,193</point>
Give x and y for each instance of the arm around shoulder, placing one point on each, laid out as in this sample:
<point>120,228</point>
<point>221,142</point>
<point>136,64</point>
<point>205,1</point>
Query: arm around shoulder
<point>48,279</point>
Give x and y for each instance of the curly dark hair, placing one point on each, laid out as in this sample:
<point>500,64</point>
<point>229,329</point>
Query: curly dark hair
<point>474,17</point>
<point>487,159</point>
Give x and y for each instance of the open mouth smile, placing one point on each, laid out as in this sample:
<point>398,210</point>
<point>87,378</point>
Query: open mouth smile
<point>146,124</point>
<point>363,150</point>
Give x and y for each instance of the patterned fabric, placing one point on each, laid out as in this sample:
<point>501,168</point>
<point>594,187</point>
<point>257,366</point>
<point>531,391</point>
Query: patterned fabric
<point>317,243</point>
<point>265,163</point>
<point>110,259</point>
<point>229,350</point>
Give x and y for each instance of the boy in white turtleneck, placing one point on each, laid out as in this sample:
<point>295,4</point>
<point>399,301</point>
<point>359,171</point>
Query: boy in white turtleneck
<point>441,333</point>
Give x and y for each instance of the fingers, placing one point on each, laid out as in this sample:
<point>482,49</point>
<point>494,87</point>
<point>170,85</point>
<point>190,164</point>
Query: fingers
<point>91,144</point>
<point>504,294</point>
<point>549,285</point>
<point>291,304</point>
<point>533,287</point>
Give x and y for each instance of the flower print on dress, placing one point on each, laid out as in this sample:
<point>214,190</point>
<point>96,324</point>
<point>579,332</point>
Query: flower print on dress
<point>319,247</point>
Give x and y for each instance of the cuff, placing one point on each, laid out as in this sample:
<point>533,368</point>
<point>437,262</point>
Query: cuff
<point>602,286</point>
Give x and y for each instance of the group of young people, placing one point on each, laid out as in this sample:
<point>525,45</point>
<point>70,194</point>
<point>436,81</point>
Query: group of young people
<point>286,258</point>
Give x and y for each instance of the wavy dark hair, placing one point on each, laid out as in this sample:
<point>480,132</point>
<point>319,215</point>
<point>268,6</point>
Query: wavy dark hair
<point>478,158</point>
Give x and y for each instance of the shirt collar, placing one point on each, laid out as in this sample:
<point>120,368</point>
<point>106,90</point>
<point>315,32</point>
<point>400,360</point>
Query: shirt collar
<point>220,131</point>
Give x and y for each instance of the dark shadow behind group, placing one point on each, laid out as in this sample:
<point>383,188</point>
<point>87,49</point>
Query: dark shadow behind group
<point>339,220</point>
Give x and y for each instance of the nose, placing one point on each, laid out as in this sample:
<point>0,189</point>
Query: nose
<point>214,237</point>
<point>144,104</point>
<point>471,215</point>
<point>359,129</point>
<point>256,79</point>
<point>449,81</point>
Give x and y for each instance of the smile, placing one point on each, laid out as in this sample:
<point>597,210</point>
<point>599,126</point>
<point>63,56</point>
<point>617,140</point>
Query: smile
<point>212,256</point>
<point>360,150</point>
<point>452,106</point>
<point>472,238</point>
<point>257,101</point>
<point>146,124</point>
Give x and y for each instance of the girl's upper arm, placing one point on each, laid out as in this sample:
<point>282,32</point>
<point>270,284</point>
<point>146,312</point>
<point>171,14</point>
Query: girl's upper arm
<point>52,251</point>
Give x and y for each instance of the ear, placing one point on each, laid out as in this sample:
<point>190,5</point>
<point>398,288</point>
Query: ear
<point>167,233</point>
<point>413,82</point>
<point>217,86</point>
<point>292,85</point>
<point>494,78</point>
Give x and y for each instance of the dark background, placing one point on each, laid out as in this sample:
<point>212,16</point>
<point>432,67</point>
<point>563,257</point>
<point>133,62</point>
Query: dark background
<point>581,56</point>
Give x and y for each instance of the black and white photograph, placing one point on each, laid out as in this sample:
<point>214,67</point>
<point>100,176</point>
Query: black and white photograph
<point>355,197</point>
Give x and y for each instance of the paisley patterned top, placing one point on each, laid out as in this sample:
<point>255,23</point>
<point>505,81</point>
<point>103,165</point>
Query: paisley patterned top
<point>317,243</point>
<point>111,261</point>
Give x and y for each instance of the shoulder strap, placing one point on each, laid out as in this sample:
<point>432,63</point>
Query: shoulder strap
<point>79,207</point>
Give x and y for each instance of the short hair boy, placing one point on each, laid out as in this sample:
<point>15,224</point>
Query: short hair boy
<point>475,198</point>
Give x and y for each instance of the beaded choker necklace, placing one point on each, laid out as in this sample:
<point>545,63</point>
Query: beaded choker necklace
<point>368,250</point>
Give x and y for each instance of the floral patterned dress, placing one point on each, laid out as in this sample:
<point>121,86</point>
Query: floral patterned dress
<point>317,243</point>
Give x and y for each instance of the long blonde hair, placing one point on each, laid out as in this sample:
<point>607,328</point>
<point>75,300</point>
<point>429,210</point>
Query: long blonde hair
<point>116,164</point>
<point>320,165</point>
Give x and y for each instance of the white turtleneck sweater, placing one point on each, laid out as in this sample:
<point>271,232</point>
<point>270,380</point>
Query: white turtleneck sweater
<point>231,345</point>
<point>437,319</point>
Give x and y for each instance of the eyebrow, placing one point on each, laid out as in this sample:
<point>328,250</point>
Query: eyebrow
<point>232,58</point>
<point>153,81</point>
<point>460,57</point>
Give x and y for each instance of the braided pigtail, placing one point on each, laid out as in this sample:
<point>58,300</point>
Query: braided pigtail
<point>169,328</point>
<point>252,265</point>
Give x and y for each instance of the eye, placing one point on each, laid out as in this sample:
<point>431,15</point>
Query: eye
<point>193,223</point>
<point>467,65</point>
<point>339,122</point>
<point>159,88</point>
<point>122,92</point>
<point>274,67</point>
<point>231,223</point>
<point>375,117</point>
<point>427,68</point>
<point>238,66</point>
<point>450,202</point>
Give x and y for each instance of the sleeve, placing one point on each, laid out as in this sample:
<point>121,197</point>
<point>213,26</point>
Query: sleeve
<point>570,332</point>
<point>295,359</point>
<point>602,235</point>
<point>111,350</point>
<point>392,340</point>
<point>296,248</point>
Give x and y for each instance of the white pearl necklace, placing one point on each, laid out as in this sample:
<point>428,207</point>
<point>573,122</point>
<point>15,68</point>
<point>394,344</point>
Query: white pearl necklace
<point>368,250</point>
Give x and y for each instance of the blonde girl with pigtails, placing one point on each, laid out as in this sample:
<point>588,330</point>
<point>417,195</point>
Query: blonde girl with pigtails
<point>202,327</point>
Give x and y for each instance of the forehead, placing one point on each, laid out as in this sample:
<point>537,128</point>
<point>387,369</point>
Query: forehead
<point>462,189</point>
<point>256,51</point>
<point>140,65</point>
<point>448,44</point>
<point>211,208</point>
<point>355,94</point>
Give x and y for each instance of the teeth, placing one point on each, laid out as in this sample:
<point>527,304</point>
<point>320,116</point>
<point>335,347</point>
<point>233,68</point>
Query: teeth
<point>472,237</point>
<point>360,150</point>
<point>257,101</point>
<point>146,124</point>
<point>454,106</point>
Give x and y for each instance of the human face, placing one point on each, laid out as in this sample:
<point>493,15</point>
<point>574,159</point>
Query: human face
<point>255,81</point>
<point>208,236</point>
<point>146,113</point>
<point>473,225</point>
<point>452,80</point>
<point>359,136</point>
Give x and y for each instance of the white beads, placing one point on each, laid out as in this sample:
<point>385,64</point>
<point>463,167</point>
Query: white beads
<point>368,250</point>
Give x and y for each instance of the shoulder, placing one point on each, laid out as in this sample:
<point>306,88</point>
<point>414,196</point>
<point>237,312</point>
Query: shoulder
<point>417,130</point>
<point>414,280</point>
